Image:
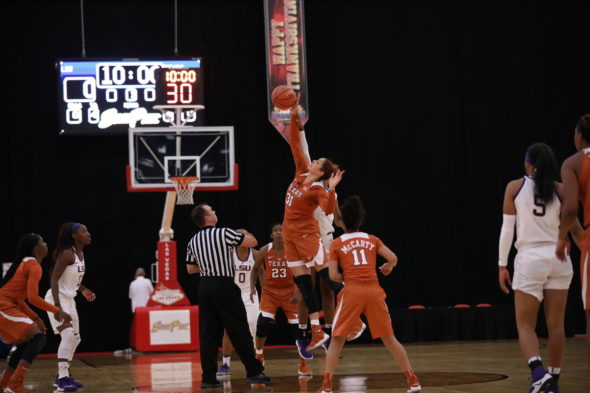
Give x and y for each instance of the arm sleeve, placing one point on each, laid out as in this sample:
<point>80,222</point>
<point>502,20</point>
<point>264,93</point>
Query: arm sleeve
<point>27,310</point>
<point>301,161</point>
<point>33,277</point>
<point>327,200</point>
<point>506,236</point>
<point>233,238</point>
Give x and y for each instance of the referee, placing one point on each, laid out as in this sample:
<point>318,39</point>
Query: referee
<point>209,253</point>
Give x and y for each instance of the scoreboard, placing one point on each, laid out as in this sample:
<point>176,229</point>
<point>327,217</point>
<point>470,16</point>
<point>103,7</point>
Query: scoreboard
<point>109,97</point>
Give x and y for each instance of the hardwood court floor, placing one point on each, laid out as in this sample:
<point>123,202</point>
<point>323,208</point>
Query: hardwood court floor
<point>474,366</point>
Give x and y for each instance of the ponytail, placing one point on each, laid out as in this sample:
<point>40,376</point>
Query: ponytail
<point>546,173</point>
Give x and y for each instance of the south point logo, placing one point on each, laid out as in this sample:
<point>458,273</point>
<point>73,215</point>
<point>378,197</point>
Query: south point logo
<point>174,325</point>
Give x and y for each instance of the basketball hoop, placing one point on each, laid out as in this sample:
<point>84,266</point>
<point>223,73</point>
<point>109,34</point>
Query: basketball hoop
<point>185,186</point>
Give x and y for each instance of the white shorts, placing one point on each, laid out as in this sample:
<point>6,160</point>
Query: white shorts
<point>536,268</point>
<point>68,304</point>
<point>252,311</point>
<point>327,239</point>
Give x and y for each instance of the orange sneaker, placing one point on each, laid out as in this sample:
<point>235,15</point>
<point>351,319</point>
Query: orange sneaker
<point>303,370</point>
<point>326,384</point>
<point>260,358</point>
<point>15,384</point>
<point>358,329</point>
<point>318,337</point>
<point>413,382</point>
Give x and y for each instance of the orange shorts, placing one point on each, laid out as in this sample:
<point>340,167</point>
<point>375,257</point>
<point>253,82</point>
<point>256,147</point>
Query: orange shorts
<point>274,299</point>
<point>304,249</point>
<point>358,298</point>
<point>15,325</point>
<point>585,276</point>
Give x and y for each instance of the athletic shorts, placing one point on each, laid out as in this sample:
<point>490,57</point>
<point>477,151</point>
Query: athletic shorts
<point>68,304</point>
<point>15,325</point>
<point>585,276</point>
<point>536,268</point>
<point>304,249</point>
<point>358,298</point>
<point>271,301</point>
<point>327,239</point>
<point>252,311</point>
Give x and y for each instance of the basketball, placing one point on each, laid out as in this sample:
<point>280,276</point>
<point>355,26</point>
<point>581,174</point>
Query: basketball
<point>283,97</point>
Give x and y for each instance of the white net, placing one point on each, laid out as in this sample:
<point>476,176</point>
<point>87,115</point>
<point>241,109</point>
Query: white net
<point>185,186</point>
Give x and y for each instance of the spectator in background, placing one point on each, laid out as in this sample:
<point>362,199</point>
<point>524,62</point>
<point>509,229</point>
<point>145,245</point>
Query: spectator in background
<point>140,290</point>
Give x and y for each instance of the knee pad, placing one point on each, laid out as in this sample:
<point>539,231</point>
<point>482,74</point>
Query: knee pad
<point>15,355</point>
<point>34,346</point>
<point>77,341</point>
<point>262,326</point>
<point>334,285</point>
<point>304,284</point>
<point>66,344</point>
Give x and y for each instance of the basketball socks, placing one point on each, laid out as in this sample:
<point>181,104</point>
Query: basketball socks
<point>227,359</point>
<point>535,362</point>
<point>554,371</point>
<point>63,369</point>
<point>302,332</point>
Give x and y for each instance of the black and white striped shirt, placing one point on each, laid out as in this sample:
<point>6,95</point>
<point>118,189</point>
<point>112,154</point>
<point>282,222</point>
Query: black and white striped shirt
<point>212,250</point>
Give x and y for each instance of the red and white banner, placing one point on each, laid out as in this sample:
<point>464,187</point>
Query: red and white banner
<point>285,57</point>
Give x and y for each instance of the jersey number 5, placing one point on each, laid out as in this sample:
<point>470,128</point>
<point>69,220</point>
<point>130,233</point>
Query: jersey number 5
<point>540,212</point>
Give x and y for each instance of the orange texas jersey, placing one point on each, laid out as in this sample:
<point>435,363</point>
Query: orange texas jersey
<point>356,253</point>
<point>25,285</point>
<point>302,199</point>
<point>584,181</point>
<point>276,273</point>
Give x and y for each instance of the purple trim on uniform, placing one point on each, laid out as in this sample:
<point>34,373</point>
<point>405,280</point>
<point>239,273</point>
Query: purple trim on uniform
<point>520,188</point>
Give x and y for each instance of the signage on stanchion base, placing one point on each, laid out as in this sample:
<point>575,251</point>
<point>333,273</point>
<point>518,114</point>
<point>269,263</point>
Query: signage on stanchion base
<point>168,292</point>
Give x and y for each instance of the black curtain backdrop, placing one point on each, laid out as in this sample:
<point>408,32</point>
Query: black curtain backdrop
<point>429,106</point>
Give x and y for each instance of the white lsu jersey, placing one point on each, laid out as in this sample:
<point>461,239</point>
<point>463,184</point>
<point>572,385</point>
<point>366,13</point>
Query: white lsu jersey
<point>243,270</point>
<point>536,222</point>
<point>71,278</point>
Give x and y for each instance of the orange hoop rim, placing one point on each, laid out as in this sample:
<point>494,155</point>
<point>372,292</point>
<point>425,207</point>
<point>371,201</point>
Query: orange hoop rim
<point>184,179</point>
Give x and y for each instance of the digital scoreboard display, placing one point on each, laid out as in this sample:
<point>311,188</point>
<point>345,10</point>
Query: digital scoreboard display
<point>108,97</point>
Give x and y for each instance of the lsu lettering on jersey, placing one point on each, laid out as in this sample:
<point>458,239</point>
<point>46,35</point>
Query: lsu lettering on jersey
<point>356,253</point>
<point>277,274</point>
<point>536,221</point>
<point>70,280</point>
<point>243,270</point>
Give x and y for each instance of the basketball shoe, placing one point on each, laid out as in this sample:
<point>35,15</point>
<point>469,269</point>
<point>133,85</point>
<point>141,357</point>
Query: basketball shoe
<point>318,337</point>
<point>413,382</point>
<point>303,353</point>
<point>224,369</point>
<point>356,331</point>
<point>541,380</point>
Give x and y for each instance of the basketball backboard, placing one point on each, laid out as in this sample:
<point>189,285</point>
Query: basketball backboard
<point>158,153</point>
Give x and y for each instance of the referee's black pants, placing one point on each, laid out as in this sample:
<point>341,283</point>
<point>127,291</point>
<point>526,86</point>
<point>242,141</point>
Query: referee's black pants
<point>221,307</point>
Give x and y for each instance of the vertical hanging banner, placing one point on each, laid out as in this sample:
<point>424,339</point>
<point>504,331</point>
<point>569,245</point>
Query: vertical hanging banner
<point>285,57</point>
